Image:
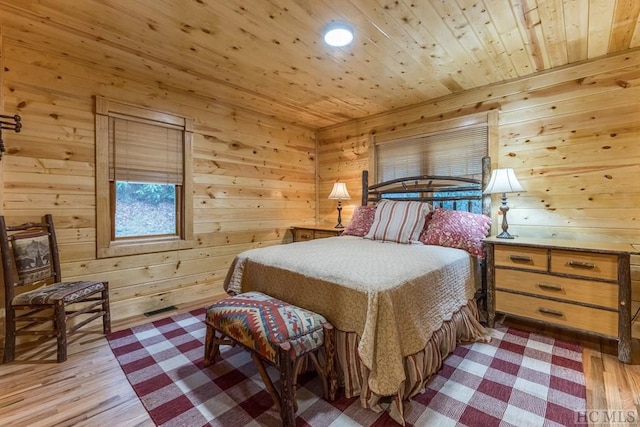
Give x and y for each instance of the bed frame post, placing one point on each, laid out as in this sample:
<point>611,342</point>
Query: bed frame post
<point>483,298</point>
<point>486,175</point>
<point>365,187</point>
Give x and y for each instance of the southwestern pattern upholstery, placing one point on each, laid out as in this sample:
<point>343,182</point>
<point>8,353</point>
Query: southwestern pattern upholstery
<point>279,333</point>
<point>54,308</point>
<point>262,323</point>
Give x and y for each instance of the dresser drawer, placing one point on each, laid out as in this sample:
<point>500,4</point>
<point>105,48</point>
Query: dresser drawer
<point>301,235</point>
<point>559,313</point>
<point>520,257</point>
<point>320,234</point>
<point>573,290</point>
<point>586,264</point>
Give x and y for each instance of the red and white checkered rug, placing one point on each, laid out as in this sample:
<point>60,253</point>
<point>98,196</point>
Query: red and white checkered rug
<point>518,379</point>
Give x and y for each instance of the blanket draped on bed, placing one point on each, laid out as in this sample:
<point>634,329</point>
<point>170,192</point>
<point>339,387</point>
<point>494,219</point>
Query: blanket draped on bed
<point>396,303</point>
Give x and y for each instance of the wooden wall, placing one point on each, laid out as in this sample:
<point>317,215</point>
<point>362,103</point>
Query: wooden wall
<point>253,176</point>
<point>572,135</point>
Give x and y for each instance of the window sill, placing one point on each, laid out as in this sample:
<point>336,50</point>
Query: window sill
<point>143,246</point>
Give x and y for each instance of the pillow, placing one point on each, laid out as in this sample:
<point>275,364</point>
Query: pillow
<point>427,220</point>
<point>458,229</point>
<point>31,254</point>
<point>398,221</point>
<point>361,221</point>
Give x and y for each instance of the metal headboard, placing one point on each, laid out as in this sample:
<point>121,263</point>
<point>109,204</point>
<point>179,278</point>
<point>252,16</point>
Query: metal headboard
<point>458,193</point>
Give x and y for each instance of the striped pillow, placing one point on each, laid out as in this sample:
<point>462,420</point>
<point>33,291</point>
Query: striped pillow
<point>398,221</point>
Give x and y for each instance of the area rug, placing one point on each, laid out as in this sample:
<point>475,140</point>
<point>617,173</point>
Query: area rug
<point>518,379</point>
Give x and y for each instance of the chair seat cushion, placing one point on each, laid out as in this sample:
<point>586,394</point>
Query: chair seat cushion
<point>65,291</point>
<point>261,323</point>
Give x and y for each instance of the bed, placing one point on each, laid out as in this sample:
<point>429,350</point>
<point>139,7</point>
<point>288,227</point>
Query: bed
<point>399,308</point>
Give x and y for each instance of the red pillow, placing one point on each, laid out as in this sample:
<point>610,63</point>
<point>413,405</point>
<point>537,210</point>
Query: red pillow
<point>361,221</point>
<point>427,220</point>
<point>457,229</point>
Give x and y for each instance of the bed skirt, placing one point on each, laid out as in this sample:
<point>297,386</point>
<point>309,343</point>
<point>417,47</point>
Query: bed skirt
<point>419,367</point>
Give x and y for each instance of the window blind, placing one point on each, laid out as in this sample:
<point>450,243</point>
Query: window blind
<point>457,152</point>
<point>145,152</point>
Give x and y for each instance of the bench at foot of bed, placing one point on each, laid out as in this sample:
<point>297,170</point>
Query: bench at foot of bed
<point>278,333</point>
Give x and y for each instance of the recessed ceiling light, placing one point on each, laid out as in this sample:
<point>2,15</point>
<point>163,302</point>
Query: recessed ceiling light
<point>338,34</point>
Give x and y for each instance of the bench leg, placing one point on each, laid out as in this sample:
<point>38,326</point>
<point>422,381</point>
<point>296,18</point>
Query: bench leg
<point>267,381</point>
<point>328,374</point>
<point>211,349</point>
<point>287,386</point>
<point>212,345</point>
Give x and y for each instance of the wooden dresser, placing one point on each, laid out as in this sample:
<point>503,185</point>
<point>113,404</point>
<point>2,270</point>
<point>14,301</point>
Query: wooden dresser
<point>578,285</point>
<point>302,233</point>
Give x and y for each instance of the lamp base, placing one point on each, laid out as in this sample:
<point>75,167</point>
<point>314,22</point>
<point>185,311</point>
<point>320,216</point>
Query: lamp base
<point>505,225</point>
<point>339,225</point>
<point>505,235</point>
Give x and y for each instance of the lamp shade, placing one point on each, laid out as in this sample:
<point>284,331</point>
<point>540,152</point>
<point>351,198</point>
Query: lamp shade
<point>503,181</point>
<point>339,191</point>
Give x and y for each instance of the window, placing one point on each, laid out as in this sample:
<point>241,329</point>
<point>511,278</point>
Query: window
<point>446,151</point>
<point>457,152</point>
<point>143,180</point>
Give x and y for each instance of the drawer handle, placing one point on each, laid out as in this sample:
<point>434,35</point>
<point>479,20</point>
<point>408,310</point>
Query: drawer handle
<point>520,258</point>
<point>550,311</point>
<point>305,236</point>
<point>550,286</point>
<point>581,264</point>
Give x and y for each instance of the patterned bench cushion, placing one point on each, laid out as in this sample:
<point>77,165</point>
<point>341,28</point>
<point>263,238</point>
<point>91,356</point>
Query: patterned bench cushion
<point>262,323</point>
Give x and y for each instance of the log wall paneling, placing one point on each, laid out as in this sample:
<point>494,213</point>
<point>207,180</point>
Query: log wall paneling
<point>570,134</point>
<point>254,176</point>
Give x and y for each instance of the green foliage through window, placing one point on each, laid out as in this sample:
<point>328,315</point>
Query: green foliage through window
<point>144,209</point>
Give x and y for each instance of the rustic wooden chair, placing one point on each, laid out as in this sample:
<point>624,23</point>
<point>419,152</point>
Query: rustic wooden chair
<point>50,307</point>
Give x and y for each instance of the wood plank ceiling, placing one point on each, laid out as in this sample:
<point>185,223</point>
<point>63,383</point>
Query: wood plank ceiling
<point>267,55</point>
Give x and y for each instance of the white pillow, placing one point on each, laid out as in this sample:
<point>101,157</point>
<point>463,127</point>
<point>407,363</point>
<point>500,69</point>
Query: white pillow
<point>398,221</point>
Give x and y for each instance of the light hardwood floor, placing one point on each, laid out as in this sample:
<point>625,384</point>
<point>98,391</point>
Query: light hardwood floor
<point>90,389</point>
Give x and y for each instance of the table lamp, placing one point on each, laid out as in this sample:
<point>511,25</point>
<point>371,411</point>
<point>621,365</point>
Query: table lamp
<point>340,193</point>
<point>503,181</point>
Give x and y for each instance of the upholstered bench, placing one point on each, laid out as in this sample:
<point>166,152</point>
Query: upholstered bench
<point>280,334</point>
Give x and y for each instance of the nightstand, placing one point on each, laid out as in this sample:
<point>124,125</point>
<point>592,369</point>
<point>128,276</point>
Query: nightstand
<point>302,233</point>
<point>574,284</point>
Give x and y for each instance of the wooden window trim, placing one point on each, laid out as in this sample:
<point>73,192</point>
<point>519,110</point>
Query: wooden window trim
<point>106,246</point>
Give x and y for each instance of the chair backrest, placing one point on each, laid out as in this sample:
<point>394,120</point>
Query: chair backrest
<point>29,254</point>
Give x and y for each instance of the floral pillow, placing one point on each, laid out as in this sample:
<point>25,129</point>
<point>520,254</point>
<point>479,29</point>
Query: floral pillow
<point>398,221</point>
<point>361,221</point>
<point>427,220</point>
<point>457,229</point>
